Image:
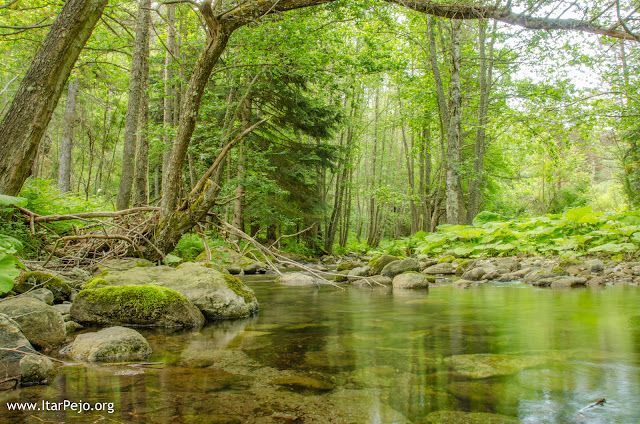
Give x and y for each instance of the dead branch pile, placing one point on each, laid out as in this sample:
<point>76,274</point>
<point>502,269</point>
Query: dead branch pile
<point>103,235</point>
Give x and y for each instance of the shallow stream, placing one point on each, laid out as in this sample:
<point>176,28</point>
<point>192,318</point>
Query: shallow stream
<point>376,356</point>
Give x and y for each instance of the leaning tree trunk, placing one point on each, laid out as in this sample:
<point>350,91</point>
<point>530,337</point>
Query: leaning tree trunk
<point>133,105</point>
<point>66,144</point>
<point>217,39</point>
<point>30,112</point>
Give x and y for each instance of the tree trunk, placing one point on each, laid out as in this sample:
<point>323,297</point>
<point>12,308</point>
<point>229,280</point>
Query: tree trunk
<point>141,180</point>
<point>453,132</point>
<point>238,203</point>
<point>169,88</point>
<point>133,105</point>
<point>66,144</point>
<point>30,112</point>
<point>476,187</point>
<point>217,39</point>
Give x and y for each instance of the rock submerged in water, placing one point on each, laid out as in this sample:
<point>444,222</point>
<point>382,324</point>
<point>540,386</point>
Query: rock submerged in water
<point>304,384</point>
<point>114,344</point>
<point>216,295</point>
<point>147,306</point>
<point>40,323</point>
<point>457,417</point>
<point>485,365</point>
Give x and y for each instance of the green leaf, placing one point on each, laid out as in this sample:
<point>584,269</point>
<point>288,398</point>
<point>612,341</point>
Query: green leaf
<point>420,235</point>
<point>575,214</point>
<point>484,217</point>
<point>172,259</point>
<point>8,272</point>
<point>12,200</point>
<point>463,250</point>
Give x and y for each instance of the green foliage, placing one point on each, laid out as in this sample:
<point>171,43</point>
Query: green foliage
<point>189,247</point>
<point>9,248</point>
<point>579,230</point>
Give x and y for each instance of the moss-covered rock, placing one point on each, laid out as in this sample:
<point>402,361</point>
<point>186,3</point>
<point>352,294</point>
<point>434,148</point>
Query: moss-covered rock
<point>216,295</point>
<point>379,263</point>
<point>572,261</point>
<point>147,306</point>
<point>114,344</point>
<point>399,267</point>
<point>446,258</point>
<point>29,280</point>
<point>348,265</point>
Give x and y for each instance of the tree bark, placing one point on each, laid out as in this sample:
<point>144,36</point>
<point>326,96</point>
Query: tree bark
<point>133,105</point>
<point>453,132</point>
<point>66,144</point>
<point>169,100</point>
<point>141,179</point>
<point>30,112</point>
<point>238,203</point>
<point>476,187</point>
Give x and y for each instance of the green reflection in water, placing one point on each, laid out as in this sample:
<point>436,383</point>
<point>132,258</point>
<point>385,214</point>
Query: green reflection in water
<point>494,354</point>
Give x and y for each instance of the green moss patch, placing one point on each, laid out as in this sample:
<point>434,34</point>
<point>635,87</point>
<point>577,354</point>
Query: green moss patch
<point>238,288</point>
<point>144,301</point>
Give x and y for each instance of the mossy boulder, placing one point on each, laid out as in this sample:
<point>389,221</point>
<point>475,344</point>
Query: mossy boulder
<point>379,263</point>
<point>398,267</point>
<point>442,268</point>
<point>572,261</point>
<point>348,265</point>
<point>217,295</point>
<point>114,344</point>
<point>37,279</point>
<point>40,323</point>
<point>147,306</point>
<point>446,258</point>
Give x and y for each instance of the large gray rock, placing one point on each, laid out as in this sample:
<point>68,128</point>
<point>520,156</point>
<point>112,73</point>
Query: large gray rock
<point>410,280</point>
<point>442,268</point>
<point>362,271</point>
<point>295,279</point>
<point>399,267</point>
<point>36,369</point>
<point>147,306</point>
<point>217,295</point>
<point>537,274</point>
<point>484,272</point>
<point>40,323</point>
<point>595,265</point>
<point>42,294</point>
<point>114,344</point>
<point>568,282</point>
<point>11,337</point>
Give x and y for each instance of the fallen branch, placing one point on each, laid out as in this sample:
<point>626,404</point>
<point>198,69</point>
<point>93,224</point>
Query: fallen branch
<point>86,215</point>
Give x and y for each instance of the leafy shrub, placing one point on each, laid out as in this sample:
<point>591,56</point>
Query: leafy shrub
<point>578,230</point>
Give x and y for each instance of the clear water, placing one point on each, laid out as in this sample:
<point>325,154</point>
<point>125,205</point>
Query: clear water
<point>376,356</point>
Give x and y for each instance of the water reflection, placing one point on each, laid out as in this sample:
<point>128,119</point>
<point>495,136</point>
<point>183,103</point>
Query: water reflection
<point>508,353</point>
